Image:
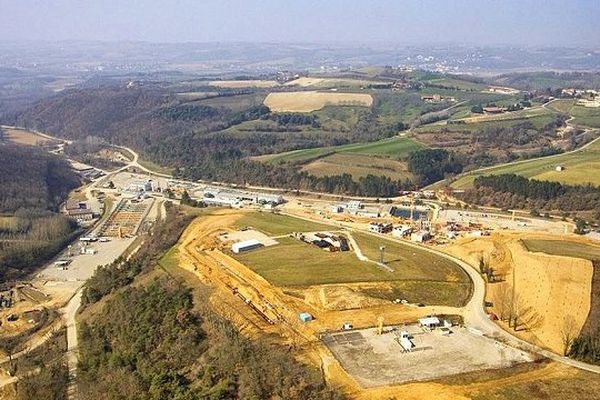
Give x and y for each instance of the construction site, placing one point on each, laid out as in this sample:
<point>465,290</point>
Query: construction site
<point>359,339</point>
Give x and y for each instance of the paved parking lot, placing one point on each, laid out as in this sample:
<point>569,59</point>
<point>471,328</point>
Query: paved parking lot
<point>377,360</point>
<point>83,266</point>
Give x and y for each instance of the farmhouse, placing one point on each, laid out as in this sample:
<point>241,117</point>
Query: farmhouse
<point>246,245</point>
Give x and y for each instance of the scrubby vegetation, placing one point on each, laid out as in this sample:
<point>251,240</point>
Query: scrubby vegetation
<point>43,373</point>
<point>149,343</point>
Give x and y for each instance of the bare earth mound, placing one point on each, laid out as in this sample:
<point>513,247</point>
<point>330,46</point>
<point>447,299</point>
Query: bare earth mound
<point>552,292</point>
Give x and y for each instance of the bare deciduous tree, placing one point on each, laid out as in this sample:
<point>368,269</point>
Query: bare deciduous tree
<point>568,333</point>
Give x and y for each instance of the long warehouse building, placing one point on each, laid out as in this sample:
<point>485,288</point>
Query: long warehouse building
<point>245,245</point>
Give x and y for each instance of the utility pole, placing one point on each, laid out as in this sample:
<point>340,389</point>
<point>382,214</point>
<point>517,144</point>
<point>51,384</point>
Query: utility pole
<point>381,254</point>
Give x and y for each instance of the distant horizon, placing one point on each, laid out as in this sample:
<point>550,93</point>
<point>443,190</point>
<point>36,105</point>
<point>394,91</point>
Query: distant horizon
<point>528,24</point>
<point>290,43</point>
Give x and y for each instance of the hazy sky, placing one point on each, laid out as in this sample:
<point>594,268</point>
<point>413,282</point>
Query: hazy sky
<point>539,22</point>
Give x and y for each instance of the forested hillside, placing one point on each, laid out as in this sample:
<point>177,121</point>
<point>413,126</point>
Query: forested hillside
<point>32,185</point>
<point>193,137</point>
<point>32,178</point>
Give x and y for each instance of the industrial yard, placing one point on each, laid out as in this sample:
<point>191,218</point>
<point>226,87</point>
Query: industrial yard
<point>374,359</point>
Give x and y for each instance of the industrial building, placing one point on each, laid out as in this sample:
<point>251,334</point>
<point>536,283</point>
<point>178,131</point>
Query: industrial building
<point>429,322</point>
<point>79,211</point>
<point>402,231</point>
<point>235,198</point>
<point>245,245</point>
<point>354,205</point>
<point>420,236</point>
<point>378,227</point>
<point>140,186</point>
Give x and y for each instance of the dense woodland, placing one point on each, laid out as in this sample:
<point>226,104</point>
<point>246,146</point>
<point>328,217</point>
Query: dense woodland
<point>33,183</point>
<point>155,339</point>
<point>432,165</point>
<point>511,191</point>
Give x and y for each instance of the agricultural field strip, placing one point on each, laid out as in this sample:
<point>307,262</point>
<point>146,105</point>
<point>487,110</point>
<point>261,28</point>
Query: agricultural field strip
<point>563,248</point>
<point>396,146</point>
<point>308,101</point>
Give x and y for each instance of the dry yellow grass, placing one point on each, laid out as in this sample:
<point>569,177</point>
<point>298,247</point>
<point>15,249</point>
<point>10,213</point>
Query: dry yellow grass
<point>240,84</point>
<point>21,136</point>
<point>557,289</point>
<point>305,81</point>
<point>312,100</point>
<point>331,82</point>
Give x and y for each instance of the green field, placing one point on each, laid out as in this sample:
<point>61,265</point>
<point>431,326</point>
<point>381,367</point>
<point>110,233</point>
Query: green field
<point>578,165</point>
<point>357,165</point>
<point>276,224</point>
<point>563,248</point>
<point>396,147</point>
<point>587,116</point>
<point>458,84</point>
<point>561,105</point>
<point>538,120</point>
<point>418,275</point>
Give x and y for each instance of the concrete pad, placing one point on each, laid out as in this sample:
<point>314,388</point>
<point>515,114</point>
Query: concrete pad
<point>379,360</point>
<point>83,266</point>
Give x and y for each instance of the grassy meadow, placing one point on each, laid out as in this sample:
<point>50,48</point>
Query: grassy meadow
<point>563,248</point>
<point>577,164</point>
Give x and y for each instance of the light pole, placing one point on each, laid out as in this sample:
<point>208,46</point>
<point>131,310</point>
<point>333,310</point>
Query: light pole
<point>381,254</point>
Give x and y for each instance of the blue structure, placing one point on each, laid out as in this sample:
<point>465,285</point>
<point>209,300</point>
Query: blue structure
<point>305,317</point>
